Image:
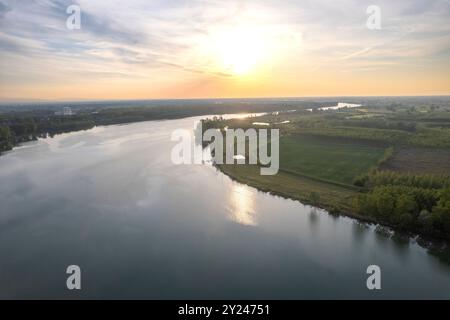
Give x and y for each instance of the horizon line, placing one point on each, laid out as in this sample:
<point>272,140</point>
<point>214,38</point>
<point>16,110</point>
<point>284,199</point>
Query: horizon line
<point>31,101</point>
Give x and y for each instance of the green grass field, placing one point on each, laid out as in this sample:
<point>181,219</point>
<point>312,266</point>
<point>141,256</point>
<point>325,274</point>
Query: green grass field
<point>327,159</point>
<point>320,165</point>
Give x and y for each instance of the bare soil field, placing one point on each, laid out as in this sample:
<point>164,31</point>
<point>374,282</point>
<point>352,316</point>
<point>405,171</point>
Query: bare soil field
<point>419,160</point>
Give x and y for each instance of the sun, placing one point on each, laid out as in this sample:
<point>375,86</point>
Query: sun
<point>239,50</point>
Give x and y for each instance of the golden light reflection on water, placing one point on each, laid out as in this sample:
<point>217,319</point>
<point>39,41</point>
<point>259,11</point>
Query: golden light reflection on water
<point>243,205</point>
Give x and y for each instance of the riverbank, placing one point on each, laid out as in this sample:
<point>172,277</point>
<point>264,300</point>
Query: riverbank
<point>333,198</point>
<point>337,200</point>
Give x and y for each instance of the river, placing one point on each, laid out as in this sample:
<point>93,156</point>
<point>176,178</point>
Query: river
<point>110,201</point>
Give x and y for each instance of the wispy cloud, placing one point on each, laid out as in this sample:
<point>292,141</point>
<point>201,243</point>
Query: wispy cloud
<point>161,40</point>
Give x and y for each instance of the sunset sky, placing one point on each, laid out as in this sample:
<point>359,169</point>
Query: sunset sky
<point>139,49</point>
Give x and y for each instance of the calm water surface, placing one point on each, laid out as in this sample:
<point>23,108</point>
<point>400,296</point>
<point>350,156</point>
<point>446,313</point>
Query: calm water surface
<point>110,200</point>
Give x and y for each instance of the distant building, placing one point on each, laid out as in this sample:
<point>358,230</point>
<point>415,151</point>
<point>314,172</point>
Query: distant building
<point>66,111</point>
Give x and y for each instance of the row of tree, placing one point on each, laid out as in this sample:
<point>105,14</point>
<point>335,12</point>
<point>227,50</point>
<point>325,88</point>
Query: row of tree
<point>15,130</point>
<point>391,178</point>
<point>6,140</point>
<point>410,202</point>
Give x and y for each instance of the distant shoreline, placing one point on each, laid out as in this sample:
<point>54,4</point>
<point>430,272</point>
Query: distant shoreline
<point>9,101</point>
